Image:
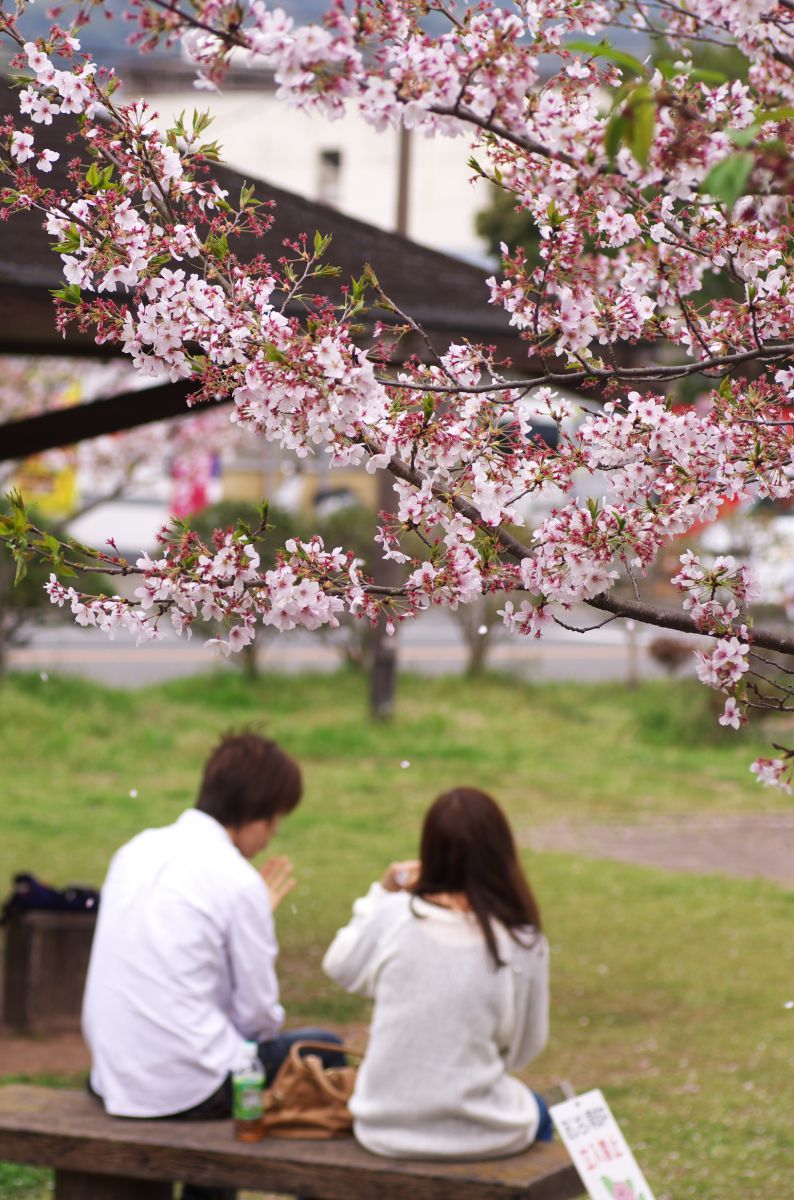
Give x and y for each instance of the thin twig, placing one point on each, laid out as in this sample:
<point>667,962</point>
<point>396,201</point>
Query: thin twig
<point>581,629</point>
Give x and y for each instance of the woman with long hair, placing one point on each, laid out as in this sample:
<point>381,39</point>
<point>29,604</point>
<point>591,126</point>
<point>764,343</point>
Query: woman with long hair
<point>451,949</point>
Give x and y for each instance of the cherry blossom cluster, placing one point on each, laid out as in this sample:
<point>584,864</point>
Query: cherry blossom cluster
<point>661,199</point>
<point>772,772</point>
<point>717,594</point>
<point>108,613</point>
<point>221,585</point>
<point>549,146</point>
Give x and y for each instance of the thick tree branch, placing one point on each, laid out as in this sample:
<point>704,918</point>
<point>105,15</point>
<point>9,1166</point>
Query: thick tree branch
<point>605,602</point>
<point>667,618</point>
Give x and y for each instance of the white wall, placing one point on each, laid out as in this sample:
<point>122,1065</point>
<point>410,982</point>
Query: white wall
<point>264,138</point>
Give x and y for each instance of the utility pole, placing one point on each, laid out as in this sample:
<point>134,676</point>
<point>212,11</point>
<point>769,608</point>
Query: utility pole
<point>403,181</point>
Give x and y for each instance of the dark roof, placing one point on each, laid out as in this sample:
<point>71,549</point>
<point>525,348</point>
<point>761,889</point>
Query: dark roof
<point>446,296</point>
<point>442,293</point>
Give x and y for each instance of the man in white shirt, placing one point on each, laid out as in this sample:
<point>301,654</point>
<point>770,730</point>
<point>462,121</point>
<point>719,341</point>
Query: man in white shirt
<point>182,970</point>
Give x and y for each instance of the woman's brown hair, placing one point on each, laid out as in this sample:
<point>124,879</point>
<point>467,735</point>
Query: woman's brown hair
<point>467,846</point>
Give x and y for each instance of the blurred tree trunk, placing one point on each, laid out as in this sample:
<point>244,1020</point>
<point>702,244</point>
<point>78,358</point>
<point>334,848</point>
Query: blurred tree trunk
<point>250,662</point>
<point>480,628</point>
<point>383,656</point>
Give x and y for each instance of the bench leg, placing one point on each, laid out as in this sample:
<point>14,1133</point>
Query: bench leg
<point>78,1185</point>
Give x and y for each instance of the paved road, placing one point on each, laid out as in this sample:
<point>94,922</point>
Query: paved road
<point>431,645</point>
<point>750,845</point>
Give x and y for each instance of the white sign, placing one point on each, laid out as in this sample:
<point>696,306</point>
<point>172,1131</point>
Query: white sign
<point>599,1150</point>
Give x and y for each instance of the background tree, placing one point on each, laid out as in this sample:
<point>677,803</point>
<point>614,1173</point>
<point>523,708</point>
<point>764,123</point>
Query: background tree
<point>501,223</point>
<point>350,525</point>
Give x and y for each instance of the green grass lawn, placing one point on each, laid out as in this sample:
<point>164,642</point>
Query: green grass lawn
<point>669,991</point>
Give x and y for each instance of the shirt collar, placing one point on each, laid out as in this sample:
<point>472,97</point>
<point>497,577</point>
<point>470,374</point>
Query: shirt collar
<point>428,909</point>
<point>201,823</point>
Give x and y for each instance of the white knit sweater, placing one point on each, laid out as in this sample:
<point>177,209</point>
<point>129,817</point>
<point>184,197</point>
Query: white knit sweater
<point>447,1028</point>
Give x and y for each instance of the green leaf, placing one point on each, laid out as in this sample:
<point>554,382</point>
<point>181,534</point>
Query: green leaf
<point>705,75</point>
<point>69,293</point>
<point>358,288</point>
<point>22,569</point>
<point>97,178</point>
<point>49,546</point>
<point>615,133</point>
<point>321,242</point>
<point>605,49</point>
<point>263,508</point>
<point>744,137</point>
<point>201,121</point>
<point>774,114</point>
<point>273,354</point>
<point>640,114</point>
<point>212,152</point>
<point>554,216</point>
<point>218,244</point>
<point>727,181</point>
<point>70,241</point>
<point>671,70</point>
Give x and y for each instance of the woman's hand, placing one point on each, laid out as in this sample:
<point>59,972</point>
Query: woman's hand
<point>279,879</point>
<point>401,876</point>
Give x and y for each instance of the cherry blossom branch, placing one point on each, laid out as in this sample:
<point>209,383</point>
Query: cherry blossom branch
<point>671,619</point>
<point>651,374</point>
<point>643,181</point>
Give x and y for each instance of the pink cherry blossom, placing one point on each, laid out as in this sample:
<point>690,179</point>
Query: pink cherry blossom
<point>772,772</point>
<point>22,146</point>
<point>732,714</point>
<point>46,159</point>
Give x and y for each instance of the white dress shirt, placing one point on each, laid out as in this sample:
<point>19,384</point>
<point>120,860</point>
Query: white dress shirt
<point>182,969</point>
<point>447,1029</point>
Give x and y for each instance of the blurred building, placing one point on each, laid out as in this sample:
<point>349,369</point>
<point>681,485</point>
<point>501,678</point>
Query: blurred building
<point>346,164</point>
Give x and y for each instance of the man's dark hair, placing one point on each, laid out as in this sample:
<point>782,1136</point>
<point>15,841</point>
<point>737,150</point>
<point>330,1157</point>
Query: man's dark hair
<point>248,778</point>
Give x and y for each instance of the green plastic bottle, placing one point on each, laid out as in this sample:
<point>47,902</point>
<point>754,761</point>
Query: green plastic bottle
<point>247,1099</point>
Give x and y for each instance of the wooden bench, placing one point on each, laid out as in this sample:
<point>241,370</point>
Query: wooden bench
<point>97,1157</point>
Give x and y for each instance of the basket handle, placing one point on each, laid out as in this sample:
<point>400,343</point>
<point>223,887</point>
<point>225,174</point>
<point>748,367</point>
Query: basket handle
<point>314,1066</point>
<point>335,1047</point>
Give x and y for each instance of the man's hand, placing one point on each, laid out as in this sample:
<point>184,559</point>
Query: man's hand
<point>401,876</point>
<point>278,877</point>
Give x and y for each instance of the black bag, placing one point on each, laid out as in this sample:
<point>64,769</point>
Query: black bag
<point>30,893</point>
